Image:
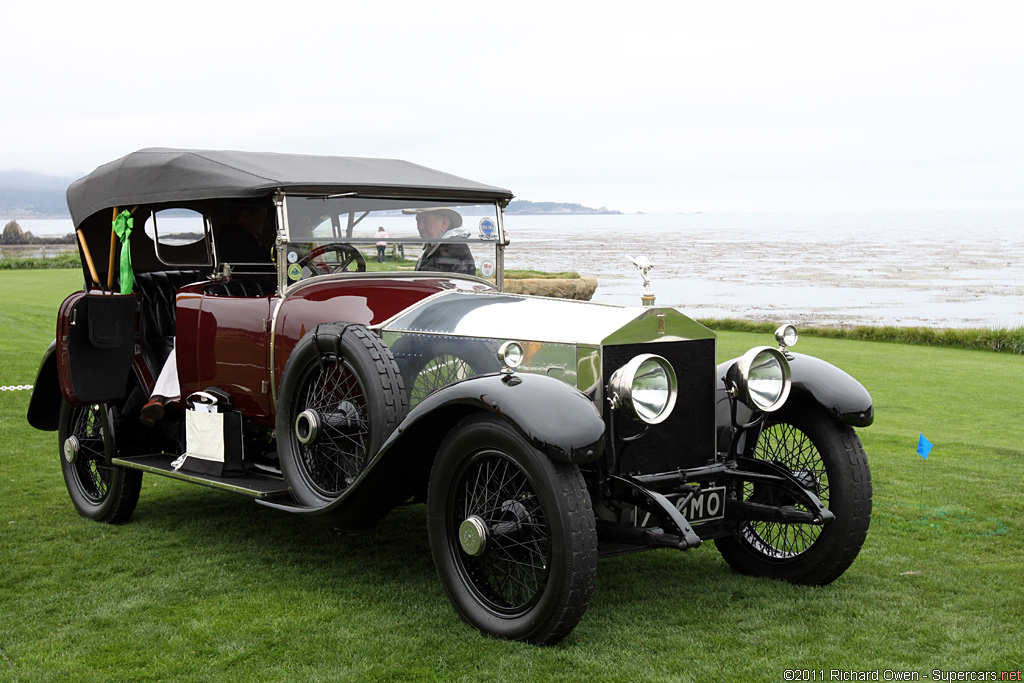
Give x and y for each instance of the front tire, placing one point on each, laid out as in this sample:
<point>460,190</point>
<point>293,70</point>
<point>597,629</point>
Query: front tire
<point>511,532</point>
<point>98,491</point>
<point>827,455</point>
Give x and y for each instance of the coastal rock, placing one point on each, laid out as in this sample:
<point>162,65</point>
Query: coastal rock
<point>581,289</point>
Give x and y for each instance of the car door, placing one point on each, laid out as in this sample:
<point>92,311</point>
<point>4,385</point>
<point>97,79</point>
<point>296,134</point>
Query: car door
<point>223,342</point>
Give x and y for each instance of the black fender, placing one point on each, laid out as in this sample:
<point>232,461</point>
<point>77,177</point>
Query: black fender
<point>815,381</point>
<point>44,404</point>
<point>557,419</point>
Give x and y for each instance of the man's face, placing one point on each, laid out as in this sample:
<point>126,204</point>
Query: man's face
<point>431,225</point>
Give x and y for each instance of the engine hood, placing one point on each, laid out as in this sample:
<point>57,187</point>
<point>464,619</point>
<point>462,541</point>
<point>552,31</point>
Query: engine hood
<point>496,315</point>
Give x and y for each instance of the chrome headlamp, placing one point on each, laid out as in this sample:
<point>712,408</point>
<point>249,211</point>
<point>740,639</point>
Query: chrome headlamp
<point>646,386</point>
<point>760,378</point>
<point>786,336</point>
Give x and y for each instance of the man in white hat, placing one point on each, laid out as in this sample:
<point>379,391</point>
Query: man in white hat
<point>437,225</point>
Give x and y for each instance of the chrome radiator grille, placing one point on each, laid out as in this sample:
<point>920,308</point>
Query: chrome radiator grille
<point>687,437</point>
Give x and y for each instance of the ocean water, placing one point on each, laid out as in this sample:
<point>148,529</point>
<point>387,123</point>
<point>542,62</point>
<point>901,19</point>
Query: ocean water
<point>933,269</point>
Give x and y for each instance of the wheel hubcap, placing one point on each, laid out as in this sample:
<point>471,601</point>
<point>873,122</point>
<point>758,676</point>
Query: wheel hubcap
<point>809,480</point>
<point>71,449</point>
<point>307,426</point>
<point>473,536</point>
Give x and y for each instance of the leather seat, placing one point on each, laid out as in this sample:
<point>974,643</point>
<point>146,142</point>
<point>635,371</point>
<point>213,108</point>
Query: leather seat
<point>157,311</point>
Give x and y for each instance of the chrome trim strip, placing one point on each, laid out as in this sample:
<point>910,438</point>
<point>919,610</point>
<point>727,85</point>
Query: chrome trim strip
<point>499,248</point>
<point>281,244</point>
<point>273,337</point>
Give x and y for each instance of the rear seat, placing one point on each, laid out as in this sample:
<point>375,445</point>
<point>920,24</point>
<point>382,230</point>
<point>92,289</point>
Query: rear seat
<point>158,290</point>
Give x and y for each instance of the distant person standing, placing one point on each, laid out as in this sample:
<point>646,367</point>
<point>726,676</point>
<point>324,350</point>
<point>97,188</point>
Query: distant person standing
<point>382,243</point>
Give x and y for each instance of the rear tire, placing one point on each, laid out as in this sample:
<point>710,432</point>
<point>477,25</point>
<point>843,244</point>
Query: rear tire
<point>98,491</point>
<point>532,577</point>
<point>826,454</point>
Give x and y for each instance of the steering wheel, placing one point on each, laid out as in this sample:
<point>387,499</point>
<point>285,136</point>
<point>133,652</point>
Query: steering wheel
<point>347,255</point>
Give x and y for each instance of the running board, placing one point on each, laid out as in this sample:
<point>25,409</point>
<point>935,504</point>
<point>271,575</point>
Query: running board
<point>253,484</point>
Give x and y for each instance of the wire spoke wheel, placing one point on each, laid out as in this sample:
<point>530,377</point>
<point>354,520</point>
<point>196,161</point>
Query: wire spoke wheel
<point>98,490</point>
<point>787,446</point>
<point>512,533</point>
<point>827,458</point>
<point>437,373</point>
<point>93,475</point>
<point>340,452</point>
<point>512,573</point>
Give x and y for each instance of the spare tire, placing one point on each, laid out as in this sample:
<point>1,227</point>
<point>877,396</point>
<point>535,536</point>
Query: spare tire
<point>341,396</point>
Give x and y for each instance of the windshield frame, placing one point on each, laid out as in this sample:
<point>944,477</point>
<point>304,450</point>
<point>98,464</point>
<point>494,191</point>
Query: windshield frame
<point>284,200</point>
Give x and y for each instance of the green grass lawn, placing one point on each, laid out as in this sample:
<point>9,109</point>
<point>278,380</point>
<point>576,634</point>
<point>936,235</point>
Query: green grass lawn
<point>203,585</point>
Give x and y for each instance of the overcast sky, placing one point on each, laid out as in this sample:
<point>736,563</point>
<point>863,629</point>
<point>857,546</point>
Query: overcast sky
<point>639,106</point>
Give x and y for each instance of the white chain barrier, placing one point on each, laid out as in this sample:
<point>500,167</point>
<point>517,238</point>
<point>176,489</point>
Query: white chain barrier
<point>16,387</point>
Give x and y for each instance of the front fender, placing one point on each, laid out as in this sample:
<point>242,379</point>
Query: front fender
<point>837,392</point>
<point>814,380</point>
<point>557,419</point>
<point>44,404</point>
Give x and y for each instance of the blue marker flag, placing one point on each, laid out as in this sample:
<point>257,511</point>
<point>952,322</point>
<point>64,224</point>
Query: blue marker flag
<point>924,447</point>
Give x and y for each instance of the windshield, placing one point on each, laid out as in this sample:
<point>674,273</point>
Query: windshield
<point>334,234</point>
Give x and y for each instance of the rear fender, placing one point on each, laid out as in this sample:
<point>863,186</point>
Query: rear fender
<point>814,382</point>
<point>44,404</point>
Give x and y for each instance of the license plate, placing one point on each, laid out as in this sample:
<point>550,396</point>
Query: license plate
<point>708,505</point>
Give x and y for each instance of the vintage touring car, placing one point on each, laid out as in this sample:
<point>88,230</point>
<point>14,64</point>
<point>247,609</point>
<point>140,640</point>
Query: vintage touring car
<point>327,378</point>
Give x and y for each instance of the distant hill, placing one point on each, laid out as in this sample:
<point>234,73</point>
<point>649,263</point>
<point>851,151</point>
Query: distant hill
<point>31,195</point>
<point>524,207</point>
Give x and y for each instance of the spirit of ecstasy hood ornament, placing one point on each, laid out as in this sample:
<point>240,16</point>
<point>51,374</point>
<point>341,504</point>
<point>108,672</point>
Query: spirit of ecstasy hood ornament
<point>643,264</point>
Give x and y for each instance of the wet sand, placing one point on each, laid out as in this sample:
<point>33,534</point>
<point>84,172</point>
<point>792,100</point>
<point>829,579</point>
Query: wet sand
<point>938,272</point>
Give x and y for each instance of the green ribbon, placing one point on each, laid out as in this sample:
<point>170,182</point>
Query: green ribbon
<point>123,225</point>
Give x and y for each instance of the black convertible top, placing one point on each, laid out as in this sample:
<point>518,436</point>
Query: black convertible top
<point>160,175</point>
